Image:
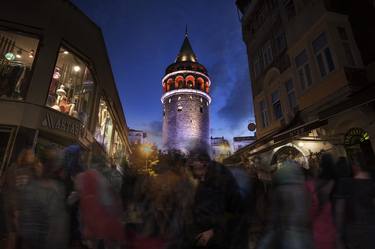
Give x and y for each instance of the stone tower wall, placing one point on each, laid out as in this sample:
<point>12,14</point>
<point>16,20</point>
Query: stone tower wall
<point>188,128</point>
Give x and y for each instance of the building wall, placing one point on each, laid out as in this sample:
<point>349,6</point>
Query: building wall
<point>56,24</point>
<point>188,128</point>
<point>312,19</point>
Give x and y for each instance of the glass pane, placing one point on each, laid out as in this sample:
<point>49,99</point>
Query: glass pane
<point>319,42</point>
<point>104,127</point>
<point>289,85</point>
<point>17,58</point>
<point>308,75</point>
<point>275,96</point>
<point>278,110</point>
<point>72,86</point>
<point>302,79</point>
<point>328,55</point>
<point>321,65</point>
<point>301,58</point>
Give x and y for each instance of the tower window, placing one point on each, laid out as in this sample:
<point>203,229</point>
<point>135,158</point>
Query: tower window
<point>170,100</point>
<point>179,108</point>
<point>179,98</point>
<point>201,109</point>
<point>191,97</point>
<point>201,100</point>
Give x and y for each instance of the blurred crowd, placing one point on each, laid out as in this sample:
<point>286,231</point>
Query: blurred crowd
<point>55,200</point>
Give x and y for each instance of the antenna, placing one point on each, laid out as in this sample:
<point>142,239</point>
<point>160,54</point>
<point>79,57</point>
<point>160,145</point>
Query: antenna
<point>186,30</point>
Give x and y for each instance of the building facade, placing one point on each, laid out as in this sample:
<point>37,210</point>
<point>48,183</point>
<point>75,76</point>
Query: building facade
<point>312,70</point>
<point>137,136</point>
<point>220,149</point>
<point>56,83</point>
<point>186,100</point>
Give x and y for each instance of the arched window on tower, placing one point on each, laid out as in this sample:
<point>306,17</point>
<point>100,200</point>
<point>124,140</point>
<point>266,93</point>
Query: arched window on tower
<point>207,88</point>
<point>200,83</point>
<point>179,82</point>
<point>169,84</point>
<point>164,87</point>
<point>190,80</point>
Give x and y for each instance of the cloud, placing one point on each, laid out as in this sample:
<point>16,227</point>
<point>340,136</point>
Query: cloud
<point>154,132</point>
<point>237,108</point>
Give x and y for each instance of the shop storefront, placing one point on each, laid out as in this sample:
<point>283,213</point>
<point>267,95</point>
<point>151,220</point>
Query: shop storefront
<point>56,88</point>
<point>342,131</point>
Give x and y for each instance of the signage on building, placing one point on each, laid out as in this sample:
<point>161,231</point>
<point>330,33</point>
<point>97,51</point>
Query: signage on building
<point>62,123</point>
<point>300,130</point>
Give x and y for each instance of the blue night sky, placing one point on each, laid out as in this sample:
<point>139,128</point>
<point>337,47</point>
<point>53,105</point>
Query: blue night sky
<point>144,36</point>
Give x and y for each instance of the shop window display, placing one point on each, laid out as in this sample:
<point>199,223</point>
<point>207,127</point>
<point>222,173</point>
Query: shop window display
<point>118,149</point>
<point>72,86</point>
<point>17,57</point>
<point>104,127</point>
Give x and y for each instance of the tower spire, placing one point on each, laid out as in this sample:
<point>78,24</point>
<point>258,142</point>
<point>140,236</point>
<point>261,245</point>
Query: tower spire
<point>186,52</point>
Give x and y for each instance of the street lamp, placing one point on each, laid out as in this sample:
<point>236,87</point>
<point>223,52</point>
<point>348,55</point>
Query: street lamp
<point>146,149</point>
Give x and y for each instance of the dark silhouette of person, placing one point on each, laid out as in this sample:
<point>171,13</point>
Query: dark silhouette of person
<point>217,203</point>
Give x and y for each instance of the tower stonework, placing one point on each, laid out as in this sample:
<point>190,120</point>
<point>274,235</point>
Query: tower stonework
<point>186,101</point>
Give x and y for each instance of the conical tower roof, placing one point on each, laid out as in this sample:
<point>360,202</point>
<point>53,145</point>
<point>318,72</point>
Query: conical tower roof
<point>186,52</point>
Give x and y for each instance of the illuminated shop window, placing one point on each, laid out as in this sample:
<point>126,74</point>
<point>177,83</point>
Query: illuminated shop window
<point>72,86</point>
<point>17,57</point>
<point>104,126</point>
<point>118,150</point>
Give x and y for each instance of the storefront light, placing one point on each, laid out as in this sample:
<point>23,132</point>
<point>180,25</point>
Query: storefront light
<point>77,68</point>
<point>66,52</point>
<point>301,144</point>
<point>19,54</point>
<point>10,56</point>
<point>31,54</point>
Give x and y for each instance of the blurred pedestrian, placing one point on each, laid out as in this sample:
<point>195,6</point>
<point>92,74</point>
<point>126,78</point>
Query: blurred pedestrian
<point>321,188</point>
<point>40,217</point>
<point>355,209</point>
<point>217,203</point>
<point>72,165</point>
<point>17,176</point>
<point>100,210</point>
<point>290,224</point>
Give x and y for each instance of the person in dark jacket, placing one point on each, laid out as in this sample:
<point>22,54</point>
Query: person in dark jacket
<point>217,203</point>
<point>355,206</point>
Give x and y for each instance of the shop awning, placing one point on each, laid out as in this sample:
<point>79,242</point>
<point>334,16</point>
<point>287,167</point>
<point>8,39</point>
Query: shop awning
<point>300,130</point>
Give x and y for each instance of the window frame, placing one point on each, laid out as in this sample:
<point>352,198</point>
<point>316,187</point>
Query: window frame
<point>31,34</point>
<point>264,113</point>
<point>291,91</point>
<point>91,68</point>
<point>267,53</point>
<point>304,70</point>
<point>103,95</point>
<point>323,55</point>
<point>347,46</point>
<point>276,105</point>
